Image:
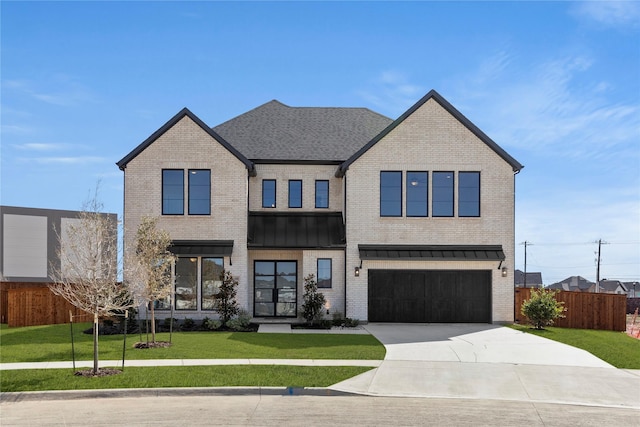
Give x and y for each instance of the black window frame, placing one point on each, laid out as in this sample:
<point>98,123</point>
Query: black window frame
<point>291,181</point>
<point>275,193</point>
<point>191,190</point>
<point>201,260</point>
<point>164,191</point>
<point>195,286</point>
<point>461,212</point>
<point>398,201</point>
<point>330,280</point>
<point>318,204</point>
<point>409,211</point>
<point>435,195</point>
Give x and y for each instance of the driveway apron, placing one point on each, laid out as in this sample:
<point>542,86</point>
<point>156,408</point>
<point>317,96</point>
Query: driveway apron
<point>484,361</point>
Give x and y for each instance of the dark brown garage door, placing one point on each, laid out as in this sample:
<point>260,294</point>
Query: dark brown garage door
<point>430,296</point>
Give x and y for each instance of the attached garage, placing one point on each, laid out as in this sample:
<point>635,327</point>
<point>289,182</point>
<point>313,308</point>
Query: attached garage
<point>430,296</point>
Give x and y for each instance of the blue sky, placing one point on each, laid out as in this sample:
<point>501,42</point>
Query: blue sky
<point>556,84</point>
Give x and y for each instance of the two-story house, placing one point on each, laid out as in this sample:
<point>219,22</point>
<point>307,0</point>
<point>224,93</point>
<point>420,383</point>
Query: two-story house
<point>406,220</point>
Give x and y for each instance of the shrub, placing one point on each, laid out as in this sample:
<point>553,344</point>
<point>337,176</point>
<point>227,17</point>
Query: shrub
<point>314,301</point>
<point>240,323</point>
<point>188,324</point>
<point>211,324</point>
<point>542,308</point>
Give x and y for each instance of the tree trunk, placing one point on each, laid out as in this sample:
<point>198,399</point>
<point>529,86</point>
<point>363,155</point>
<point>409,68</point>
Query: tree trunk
<point>95,343</point>
<point>153,323</point>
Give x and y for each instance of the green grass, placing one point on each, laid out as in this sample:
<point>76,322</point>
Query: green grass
<point>615,348</point>
<point>53,343</point>
<point>181,376</point>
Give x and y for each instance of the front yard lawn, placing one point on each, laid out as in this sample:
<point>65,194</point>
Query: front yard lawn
<point>53,343</point>
<point>181,376</point>
<point>615,348</point>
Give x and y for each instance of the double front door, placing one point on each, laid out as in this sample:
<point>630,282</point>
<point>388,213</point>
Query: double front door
<point>275,288</point>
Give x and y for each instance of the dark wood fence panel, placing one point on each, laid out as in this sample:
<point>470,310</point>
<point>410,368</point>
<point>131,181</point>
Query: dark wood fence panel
<point>585,310</point>
<point>38,306</point>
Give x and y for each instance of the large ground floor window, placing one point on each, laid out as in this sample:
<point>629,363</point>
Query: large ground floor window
<point>275,288</point>
<point>197,280</point>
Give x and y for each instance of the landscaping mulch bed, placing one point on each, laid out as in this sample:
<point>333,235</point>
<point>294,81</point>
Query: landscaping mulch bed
<point>104,372</point>
<point>157,344</point>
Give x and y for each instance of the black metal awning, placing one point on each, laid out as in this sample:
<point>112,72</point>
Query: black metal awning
<point>202,247</point>
<point>432,252</point>
<point>304,230</point>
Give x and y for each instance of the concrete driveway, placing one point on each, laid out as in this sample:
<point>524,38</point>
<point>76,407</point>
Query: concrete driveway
<point>480,361</point>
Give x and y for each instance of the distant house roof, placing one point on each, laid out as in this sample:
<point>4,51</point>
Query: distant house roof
<point>532,278</point>
<point>573,283</point>
<point>438,252</point>
<point>612,286</point>
<point>454,112</point>
<point>300,230</point>
<point>274,131</point>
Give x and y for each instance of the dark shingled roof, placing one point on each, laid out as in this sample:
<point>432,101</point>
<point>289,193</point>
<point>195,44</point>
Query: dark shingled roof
<point>532,278</point>
<point>300,230</point>
<point>274,131</point>
<point>437,252</point>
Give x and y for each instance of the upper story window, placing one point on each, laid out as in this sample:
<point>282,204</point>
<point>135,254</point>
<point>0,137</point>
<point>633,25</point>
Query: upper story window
<point>324,272</point>
<point>268,193</point>
<point>199,192</point>
<point>322,194</point>
<point>172,192</point>
<point>469,194</point>
<point>417,193</point>
<point>442,198</point>
<point>295,193</point>
<point>390,193</point>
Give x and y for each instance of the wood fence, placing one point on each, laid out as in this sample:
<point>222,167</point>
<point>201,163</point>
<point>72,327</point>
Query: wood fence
<point>32,306</point>
<point>585,310</point>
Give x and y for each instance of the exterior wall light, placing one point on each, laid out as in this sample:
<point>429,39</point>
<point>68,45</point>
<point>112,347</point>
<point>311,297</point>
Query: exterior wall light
<point>357,272</point>
<point>504,271</point>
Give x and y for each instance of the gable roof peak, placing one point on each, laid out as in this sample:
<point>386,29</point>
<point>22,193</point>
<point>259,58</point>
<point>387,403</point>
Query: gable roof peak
<point>432,94</point>
<point>185,112</point>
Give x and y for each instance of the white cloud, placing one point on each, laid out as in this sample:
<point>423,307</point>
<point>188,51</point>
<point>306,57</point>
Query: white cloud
<point>37,146</point>
<point>68,92</point>
<point>539,107</point>
<point>67,160</point>
<point>610,14</point>
<point>392,92</point>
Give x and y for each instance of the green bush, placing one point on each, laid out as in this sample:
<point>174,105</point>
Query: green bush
<point>225,300</point>
<point>240,323</point>
<point>542,308</point>
<point>211,324</point>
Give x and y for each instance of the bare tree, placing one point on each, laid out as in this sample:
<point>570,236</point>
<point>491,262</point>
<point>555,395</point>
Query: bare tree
<point>148,271</point>
<point>87,275</point>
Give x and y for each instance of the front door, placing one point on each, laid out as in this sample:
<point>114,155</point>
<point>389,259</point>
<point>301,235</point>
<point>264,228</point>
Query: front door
<point>275,288</point>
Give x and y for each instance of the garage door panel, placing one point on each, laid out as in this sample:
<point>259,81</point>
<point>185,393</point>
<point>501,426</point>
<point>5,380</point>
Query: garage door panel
<point>429,296</point>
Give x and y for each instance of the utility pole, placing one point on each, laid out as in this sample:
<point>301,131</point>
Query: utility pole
<point>525,243</point>
<point>598,267</point>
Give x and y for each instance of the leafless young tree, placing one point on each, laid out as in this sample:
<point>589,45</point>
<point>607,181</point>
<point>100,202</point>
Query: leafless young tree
<point>87,275</point>
<point>148,266</point>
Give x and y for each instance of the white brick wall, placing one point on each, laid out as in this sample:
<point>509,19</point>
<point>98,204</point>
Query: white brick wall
<point>308,174</point>
<point>187,146</point>
<point>430,140</point>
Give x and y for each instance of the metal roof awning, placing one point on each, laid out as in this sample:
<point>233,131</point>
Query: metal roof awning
<point>432,252</point>
<point>202,247</point>
<point>304,230</point>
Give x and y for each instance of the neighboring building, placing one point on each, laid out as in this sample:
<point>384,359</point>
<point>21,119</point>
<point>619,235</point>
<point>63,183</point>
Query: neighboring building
<point>633,289</point>
<point>613,287</point>
<point>407,220</point>
<point>533,280</point>
<point>574,284</point>
<point>29,246</point>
